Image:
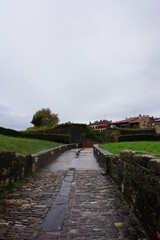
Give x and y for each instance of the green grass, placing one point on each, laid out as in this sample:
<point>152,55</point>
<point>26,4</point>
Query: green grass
<point>152,148</point>
<point>25,146</point>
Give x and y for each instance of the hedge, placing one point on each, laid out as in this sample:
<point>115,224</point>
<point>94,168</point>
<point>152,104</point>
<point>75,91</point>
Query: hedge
<point>61,138</point>
<point>10,132</point>
<point>137,131</point>
<point>138,137</point>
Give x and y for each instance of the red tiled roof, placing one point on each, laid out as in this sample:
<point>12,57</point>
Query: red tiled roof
<point>130,120</point>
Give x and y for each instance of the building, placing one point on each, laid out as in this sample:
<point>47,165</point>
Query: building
<point>157,125</point>
<point>100,126</point>
<point>152,122</point>
<point>157,121</point>
<point>134,122</point>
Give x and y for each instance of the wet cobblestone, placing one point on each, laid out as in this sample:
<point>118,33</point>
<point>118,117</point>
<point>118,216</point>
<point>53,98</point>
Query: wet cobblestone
<point>92,209</point>
<point>22,212</point>
<point>96,210</point>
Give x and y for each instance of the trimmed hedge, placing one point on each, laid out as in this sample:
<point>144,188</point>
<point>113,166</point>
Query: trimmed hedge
<point>61,138</point>
<point>10,132</point>
<point>137,131</point>
<point>138,137</point>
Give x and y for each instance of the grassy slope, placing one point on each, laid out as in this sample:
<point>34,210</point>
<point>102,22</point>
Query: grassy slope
<point>141,147</point>
<point>25,146</point>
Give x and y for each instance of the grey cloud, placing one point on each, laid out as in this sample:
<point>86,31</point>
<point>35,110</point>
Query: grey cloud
<point>85,60</point>
<point>11,119</point>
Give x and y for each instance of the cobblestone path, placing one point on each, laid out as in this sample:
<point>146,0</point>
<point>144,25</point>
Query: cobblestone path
<point>68,204</point>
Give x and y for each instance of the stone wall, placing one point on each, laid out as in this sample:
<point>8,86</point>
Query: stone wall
<point>15,167</point>
<point>138,178</point>
<point>40,159</point>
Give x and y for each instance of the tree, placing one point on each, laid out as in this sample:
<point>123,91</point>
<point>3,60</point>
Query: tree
<point>44,117</point>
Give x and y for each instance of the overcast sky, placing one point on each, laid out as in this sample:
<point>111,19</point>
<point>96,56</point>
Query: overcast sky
<point>84,59</point>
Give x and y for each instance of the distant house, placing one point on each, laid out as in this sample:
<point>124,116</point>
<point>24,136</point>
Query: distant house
<point>151,122</point>
<point>100,126</point>
<point>157,125</point>
<point>134,122</point>
<point>157,121</point>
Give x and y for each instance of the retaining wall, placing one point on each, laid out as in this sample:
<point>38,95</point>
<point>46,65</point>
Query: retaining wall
<point>15,167</point>
<point>138,178</point>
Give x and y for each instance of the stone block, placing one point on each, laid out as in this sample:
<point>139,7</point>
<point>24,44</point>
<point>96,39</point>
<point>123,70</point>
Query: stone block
<point>141,159</point>
<point>154,165</point>
<point>6,183</point>
<point>4,171</point>
<point>55,219</point>
<point>62,200</point>
<point>127,156</point>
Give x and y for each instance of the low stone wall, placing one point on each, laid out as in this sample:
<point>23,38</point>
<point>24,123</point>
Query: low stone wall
<point>40,159</point>
<point>138,178</point>
<point>15,167</point>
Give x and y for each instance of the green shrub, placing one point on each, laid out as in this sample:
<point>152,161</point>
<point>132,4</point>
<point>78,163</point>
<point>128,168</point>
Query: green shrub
<point>42,129</point>
<point>139,137</point>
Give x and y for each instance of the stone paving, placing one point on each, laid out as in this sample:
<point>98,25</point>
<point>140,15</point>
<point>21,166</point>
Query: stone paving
<point>68,204</point>
<point>23,211</point>
<point>96,210</point>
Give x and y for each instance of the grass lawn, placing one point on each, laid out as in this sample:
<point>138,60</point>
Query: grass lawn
<point>25,146</point>
<point>152,148</point>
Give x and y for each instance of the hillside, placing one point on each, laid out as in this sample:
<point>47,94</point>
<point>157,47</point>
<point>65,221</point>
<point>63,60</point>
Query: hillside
<point>25,146</point>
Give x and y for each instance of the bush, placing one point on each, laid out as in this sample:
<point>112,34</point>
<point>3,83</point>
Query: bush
<point>139,137</point>
<point>42,129</point>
